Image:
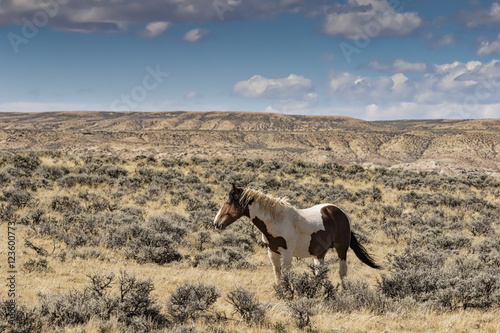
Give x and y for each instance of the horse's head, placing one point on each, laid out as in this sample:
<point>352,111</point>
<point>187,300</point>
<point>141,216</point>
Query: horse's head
<point>231,211</point>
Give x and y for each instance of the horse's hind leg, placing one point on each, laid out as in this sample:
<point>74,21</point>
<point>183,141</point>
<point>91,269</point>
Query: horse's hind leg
<point>342,253</point>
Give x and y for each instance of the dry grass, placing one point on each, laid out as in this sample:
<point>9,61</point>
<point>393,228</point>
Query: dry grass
<point>71,273</point>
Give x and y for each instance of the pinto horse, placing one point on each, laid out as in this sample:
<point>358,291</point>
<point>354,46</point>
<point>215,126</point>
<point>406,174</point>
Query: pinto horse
<point>290,232</point>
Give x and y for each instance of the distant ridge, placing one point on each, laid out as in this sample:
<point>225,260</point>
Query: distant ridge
<point>451,146</point>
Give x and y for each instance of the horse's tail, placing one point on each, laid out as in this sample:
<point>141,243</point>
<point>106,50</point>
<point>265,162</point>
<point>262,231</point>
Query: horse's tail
<point>361,252</point>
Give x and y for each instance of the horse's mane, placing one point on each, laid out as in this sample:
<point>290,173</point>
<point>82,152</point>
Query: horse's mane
<point>266,201</point>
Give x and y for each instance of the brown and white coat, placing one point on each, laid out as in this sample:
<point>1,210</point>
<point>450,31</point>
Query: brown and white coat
<point>290,232</point>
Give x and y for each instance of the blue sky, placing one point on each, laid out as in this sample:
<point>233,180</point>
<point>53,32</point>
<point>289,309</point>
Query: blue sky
<point>369,59</point>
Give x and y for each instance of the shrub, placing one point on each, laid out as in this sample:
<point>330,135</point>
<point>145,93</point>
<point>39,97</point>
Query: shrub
<point>391,211</point>
<point>40,265</point>
<point>84,252</point>
<point>28,162</point>
<point>167,224</point>
<point>24,184</point>
<point>27,320</point>
<point>481,227</point>
<point>75,307</point>
<point>98,204</point>
<point>154,247</point>
<point>67,181</point>
<point>308,285</point>
<point>115,171</point>
<point>5,178</point>
<point>393,229</point>
<point>489,250</point>
<point>135,297</point>
<point>451,242</point>
<point>203,219</point>
<point>191,301</point>
<point>237,238</point>
<point>133,307</point>
<point>17,198</point>
<point>302,310</point>
<point>172,162</point>
<point>99,283</point>
<point>65,204</point>
<point>246,305</point>
<point>78,230</point>
<point>202,237</point>
<point>120,236</point>
<point>34,218</point>
<point>7,212</point>
<point>53,172</point>
<point>356,295</point>
<point>415,274</point>
<point>465,282</point>
<point>225,257</point>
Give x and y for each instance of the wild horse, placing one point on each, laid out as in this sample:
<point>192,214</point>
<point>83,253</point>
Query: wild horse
<point>290,232</point>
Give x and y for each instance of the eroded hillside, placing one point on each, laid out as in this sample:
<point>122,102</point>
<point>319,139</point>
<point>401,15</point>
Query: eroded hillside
<point>451,146</point>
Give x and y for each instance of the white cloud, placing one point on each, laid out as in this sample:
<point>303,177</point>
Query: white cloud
<point>107,16</point>
<point>195,35</point>
<point>353,88</point>
<point>192,95</point>
<point>378,66</point>
<point>465,90</point>
<point>481,16</point>
<point>403,66</point>
<point>437,41</point>
<point>372,111</point>
<point>155,29</point>
<point>122,15</point>
<point>370,18</point>
<point>259,86</point>
<point>290,107</point>
<point>292,94</point>
<point>398,66</point>
<point>405,110</point>
<point>487,47</point>
<point>301,105</point>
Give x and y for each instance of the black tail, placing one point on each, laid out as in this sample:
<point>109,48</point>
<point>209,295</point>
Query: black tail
<point>361,252</point>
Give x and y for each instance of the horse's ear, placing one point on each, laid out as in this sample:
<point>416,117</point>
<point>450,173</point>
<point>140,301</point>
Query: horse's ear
<point>237,191</point>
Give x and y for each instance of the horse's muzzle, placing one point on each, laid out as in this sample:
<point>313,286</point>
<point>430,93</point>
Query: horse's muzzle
<point>222,223</point>
<point>220,226</point>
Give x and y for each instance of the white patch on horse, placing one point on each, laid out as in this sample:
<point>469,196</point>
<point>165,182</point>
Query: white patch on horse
<point>319,262</point>
<point>263,215</point>
<point>313,222</point>
<point>217,216</point>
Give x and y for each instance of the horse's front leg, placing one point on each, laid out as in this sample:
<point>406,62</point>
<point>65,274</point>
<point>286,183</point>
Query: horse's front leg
<point>286,257</point>
<point>319,260</point>
<point>276,262</point>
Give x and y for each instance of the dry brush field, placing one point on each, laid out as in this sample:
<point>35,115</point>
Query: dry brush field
<point>107,244</point>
